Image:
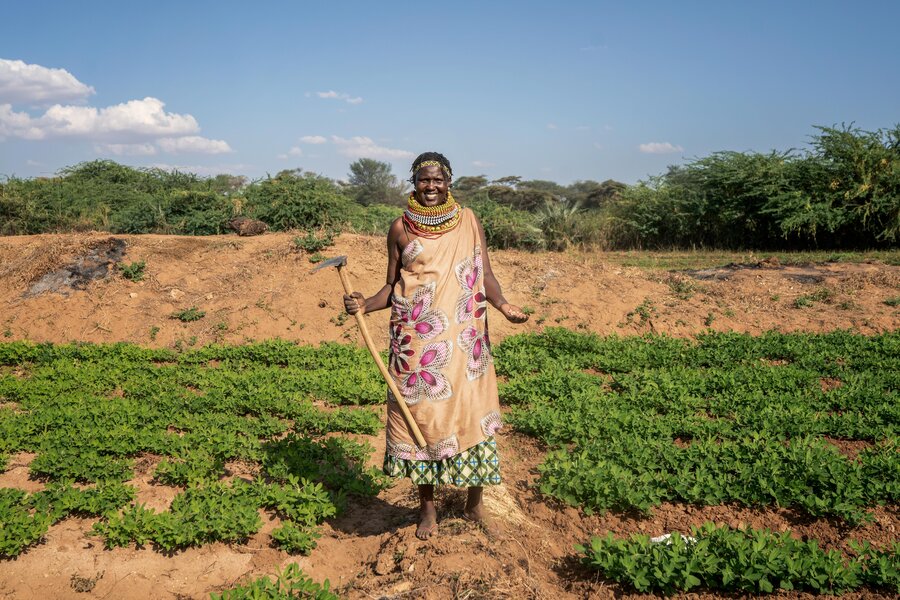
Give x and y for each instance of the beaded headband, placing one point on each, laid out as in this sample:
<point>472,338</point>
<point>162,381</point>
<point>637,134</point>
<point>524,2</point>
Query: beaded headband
<point>432,163</point>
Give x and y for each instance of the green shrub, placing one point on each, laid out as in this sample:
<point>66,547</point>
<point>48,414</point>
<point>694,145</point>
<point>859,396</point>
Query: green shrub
<point>506,227</point>
<point>298,201</point>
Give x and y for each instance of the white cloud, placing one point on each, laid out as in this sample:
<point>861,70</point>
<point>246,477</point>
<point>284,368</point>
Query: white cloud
<point>482,164</point>
<point>583,128</point>
<point>294,151</point>
<point>365,147</point>
<point>598,146</point>
<point>331,94</point>
<point>194,144</point>
<point>314,139</point>
<point>22,83</point>
<point>552,126</point>
<point>17,124</point>
<point>33,163</point>
<point>124,123</point>
<point>126,149</point>
<point>659,148</point>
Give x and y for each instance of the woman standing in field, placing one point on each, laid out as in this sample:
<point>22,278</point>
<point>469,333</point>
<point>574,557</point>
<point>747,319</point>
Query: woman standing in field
<point>439,281</point>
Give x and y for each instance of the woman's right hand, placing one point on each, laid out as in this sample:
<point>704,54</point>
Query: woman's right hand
<point>355,303</point>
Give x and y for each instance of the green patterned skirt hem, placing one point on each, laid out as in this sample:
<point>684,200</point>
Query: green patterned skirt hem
<point>477,466</point>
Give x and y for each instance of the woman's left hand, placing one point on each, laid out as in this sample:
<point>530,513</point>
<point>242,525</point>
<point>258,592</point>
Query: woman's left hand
<point>513,313</point>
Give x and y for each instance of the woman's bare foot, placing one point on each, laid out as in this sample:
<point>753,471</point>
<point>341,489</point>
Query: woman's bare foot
<point>427,513</point>
<point>427,523</point>
<point>476,513</point>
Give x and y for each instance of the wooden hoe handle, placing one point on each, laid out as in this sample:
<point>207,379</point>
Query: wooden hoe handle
<point>398,397</point>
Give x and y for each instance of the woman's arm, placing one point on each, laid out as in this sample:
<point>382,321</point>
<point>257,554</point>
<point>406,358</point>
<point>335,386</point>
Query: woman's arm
<point>382,298</point>
<point>492,289</point>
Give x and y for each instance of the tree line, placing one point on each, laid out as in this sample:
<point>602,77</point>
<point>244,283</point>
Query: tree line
<point>842,192</point>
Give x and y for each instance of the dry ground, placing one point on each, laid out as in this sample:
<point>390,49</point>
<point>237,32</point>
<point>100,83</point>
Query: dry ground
<point>259,288</point>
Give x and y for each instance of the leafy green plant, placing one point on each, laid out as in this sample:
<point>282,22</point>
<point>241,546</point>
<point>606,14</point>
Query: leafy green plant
<point>313,243</point>
<point>133,271</point>
<point>289,583</point>
<point>189,314</point>
<point>196,467</point>
<point>645,311</point>
<point>747,561</point>
<point>895,301</point>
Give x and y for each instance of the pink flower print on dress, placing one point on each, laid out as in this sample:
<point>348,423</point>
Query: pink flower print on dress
<point>472,303</point>
<point>405,451</point>
<point>427,380</point>
<point>477,348</point>
<point>401,352</point>
<point>491,423</point>
<point>412,250</point>
<point>439,451</point>
<point>418,315</point>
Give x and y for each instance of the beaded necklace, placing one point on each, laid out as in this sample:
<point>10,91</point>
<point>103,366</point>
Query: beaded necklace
<point>431,221</point>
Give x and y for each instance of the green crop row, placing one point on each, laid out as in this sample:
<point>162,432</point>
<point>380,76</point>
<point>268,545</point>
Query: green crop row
<point>723,418</point>
<point>89,411</point>
<point>25,518</point>
<point>747,561</point>
<point>227,513</point>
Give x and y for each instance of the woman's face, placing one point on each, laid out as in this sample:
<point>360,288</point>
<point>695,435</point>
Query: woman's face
<point>432,185</point>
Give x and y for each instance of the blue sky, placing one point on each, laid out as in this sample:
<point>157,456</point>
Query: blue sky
<point>563,91</point>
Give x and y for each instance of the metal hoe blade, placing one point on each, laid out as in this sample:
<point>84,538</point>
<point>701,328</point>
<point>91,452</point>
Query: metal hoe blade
<point>337,261</point>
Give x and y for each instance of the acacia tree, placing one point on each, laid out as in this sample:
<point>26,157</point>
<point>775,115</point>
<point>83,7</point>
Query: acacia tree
<point>372,182</point>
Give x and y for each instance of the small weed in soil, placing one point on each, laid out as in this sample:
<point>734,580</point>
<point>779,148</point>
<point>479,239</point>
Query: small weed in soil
<point>311,242</point>
<point>644,312</point>
<point>895,301</point>
<point>186,316</point>
<point>820,295</point>
<point>710,318</point>
<point>316,258</point>
<point>340,319</point>
<point>84,584</point>
<point>133,271</point>
<point>528,310</point>
<point>683,289</point>
<point>153,331</point>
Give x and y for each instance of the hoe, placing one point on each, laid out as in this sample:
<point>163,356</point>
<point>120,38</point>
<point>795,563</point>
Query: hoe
<point>341,261</point>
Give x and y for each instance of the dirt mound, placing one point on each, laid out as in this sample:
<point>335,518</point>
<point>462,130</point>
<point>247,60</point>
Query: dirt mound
<point>253,288</point>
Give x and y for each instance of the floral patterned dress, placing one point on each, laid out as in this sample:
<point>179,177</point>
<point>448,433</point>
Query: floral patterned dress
<point>440,359</point>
